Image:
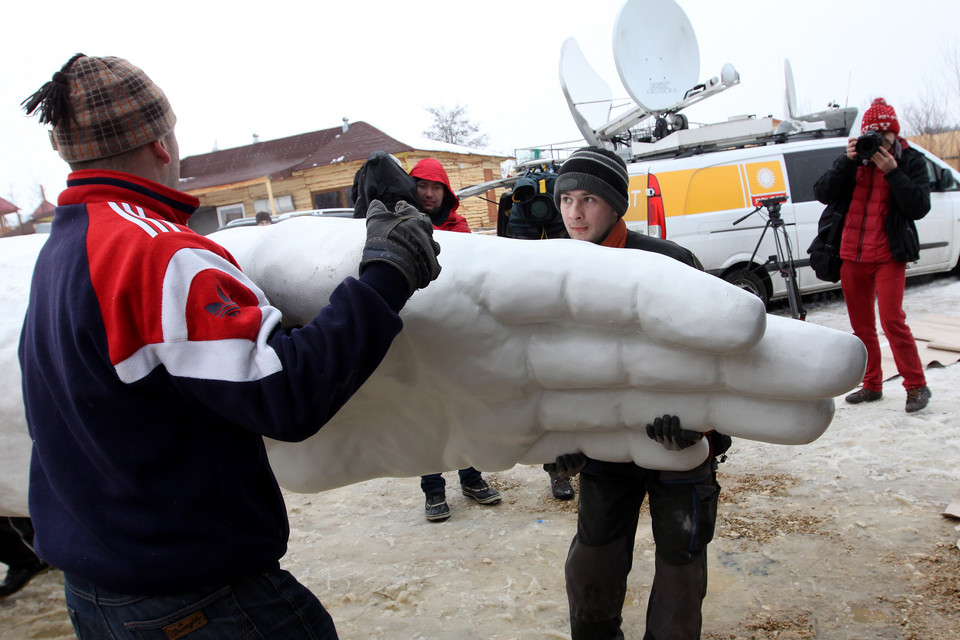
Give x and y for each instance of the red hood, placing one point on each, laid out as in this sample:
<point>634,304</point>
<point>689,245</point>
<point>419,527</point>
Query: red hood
<point>431,169</point>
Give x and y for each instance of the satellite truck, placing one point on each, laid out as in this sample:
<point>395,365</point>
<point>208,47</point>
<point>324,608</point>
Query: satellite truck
<point>714,188</point>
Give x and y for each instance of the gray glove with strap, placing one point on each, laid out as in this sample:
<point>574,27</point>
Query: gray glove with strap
<point>667,431</point>
<point>403,239</point>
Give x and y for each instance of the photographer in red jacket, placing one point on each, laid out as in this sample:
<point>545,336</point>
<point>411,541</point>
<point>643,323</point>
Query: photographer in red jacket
<point>883,187</point>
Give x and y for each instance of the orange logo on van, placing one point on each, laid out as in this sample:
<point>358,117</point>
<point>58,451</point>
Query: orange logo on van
<point>764,180</point>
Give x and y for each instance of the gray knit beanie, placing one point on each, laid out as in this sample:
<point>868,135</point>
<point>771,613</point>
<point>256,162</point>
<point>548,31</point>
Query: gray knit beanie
<point>599,171</point>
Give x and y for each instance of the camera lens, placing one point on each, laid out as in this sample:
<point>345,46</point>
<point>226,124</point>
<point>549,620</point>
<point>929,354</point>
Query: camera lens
<point>524,193</point>
<point>868,144</point>
<point>540,209</point>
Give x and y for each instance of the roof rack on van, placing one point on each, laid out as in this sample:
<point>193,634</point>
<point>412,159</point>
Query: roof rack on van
<point>661,85</point>
<point>736,134</point>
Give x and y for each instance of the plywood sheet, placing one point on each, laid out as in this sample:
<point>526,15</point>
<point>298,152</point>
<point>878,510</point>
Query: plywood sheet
<point>938,341</point>
<point>953,509</point>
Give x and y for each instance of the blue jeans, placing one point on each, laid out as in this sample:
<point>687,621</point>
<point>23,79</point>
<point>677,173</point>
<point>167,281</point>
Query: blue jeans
<point>434,483</point>
<point>256,606</point>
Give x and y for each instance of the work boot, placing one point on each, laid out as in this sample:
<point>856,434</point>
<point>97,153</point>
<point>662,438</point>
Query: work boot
<point>480,491</point>
<point>917,399</point>
<point>436,507</point>
<point>560,486</point>
<point>864,395</point>
<point>18,578</point>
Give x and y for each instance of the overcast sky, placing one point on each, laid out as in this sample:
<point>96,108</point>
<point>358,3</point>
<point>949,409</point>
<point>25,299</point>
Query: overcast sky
<point>285,67</point>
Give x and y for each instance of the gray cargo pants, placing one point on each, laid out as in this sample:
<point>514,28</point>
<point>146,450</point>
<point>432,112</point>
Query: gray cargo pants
<point>683,508</point>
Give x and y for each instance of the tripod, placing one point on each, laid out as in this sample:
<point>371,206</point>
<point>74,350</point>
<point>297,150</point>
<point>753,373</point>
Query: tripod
<point>784,256</point>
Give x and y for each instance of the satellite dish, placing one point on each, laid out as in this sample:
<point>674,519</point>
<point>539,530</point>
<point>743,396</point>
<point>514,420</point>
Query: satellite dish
<point>656,53</point>
<point>588,96</point>
<point>832,118</point>
<point>790,94</point>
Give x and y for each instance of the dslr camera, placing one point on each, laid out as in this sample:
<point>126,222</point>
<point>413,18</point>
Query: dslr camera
<point>868,144</point>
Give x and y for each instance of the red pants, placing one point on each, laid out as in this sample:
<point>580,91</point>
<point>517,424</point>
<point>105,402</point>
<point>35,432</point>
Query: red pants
<point>865,284</point>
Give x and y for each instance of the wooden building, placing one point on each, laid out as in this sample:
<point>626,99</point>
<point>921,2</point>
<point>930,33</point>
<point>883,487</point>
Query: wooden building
<point>945,145</point>
<point>315,170</point>
<point>5,227</point>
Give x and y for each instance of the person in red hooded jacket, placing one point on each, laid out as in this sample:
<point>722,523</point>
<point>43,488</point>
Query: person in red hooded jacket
<point>437,199</point>
<point>881,197</point>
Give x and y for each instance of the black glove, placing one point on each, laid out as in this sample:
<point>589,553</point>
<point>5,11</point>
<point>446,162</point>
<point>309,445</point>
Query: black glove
<point>567,465</point>
<point>381,178</point>
<point>667,431</point>
<point>721,443</point>
<point>403,239</point>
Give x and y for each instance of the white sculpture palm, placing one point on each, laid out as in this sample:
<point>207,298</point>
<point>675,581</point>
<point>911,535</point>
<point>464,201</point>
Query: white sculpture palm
<point>518,352</point>
<point>523,350</point>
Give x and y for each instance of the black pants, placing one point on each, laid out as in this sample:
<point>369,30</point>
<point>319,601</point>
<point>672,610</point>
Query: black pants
<point>683,509</point>
<point>16,538</point>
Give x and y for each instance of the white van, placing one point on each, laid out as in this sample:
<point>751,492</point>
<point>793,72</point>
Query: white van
<point>695,201</point>
<point>698,186</point>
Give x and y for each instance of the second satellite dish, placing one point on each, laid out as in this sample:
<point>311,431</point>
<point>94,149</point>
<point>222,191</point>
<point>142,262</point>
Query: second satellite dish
<point>656,53</point>
<point>588,96</point>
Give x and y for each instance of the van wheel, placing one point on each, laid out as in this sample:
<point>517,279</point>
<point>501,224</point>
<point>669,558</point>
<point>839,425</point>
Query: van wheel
<point>748,280</point>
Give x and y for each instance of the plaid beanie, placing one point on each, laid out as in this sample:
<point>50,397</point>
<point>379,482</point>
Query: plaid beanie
<point>599,171</point>
<point>881,117</point>
<point>101,107</point>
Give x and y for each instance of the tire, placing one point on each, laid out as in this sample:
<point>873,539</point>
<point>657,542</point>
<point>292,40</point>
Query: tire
<point>748,280</point>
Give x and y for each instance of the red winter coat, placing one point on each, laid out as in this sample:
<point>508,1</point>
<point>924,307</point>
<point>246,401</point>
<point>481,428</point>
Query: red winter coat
<point>865,227</point>
<point>431,169</point>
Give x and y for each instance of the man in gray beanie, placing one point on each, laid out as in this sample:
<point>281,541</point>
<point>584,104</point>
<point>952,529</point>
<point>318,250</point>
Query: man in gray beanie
<point>152,370</point>
<point>592,193</point>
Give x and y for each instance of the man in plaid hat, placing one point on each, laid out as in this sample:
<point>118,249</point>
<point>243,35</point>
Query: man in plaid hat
<point>880,197</point>
<point>152,369</point>
<point>592,193</point>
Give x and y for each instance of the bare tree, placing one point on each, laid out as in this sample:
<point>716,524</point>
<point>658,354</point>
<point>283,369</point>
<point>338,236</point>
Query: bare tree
<point>933,122</point>
<point>936,112</point>
<point>931,115</point>
<point>453,126</point>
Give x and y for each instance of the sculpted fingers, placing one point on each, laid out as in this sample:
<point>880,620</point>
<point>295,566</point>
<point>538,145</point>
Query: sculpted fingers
<point>571,357</point>
<point>774,420</point>
<point>580,284</point>
<point>622,445</point>
<point>797,360</point>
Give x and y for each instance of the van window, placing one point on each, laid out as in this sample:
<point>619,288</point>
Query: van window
<point>804,168</point>
<point>933,173</point>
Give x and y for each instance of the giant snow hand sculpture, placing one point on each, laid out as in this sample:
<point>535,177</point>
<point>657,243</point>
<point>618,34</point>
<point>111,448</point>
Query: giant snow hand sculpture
<point>521,351</point>
<point>518,352</point>
<point>17,256</point>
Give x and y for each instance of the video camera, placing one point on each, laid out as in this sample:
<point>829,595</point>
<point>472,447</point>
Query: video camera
<point>772,205</point>
<point>868,144</point>
<point>529,212</point>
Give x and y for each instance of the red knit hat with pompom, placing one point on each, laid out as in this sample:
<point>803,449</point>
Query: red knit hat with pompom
<point>880,117</point>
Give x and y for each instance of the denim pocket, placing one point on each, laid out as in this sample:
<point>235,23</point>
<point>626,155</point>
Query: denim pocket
<point>72,613</point>
<point>212,617</point>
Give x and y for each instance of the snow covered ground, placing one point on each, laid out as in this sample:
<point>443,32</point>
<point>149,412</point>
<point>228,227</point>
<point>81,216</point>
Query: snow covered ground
<point>839,539</point>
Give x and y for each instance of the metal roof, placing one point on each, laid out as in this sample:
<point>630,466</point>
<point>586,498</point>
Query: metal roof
<point>280,158</point>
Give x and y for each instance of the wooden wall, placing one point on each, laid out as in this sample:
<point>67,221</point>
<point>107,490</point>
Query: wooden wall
<point>464,170</point>
<point>945,146</point>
